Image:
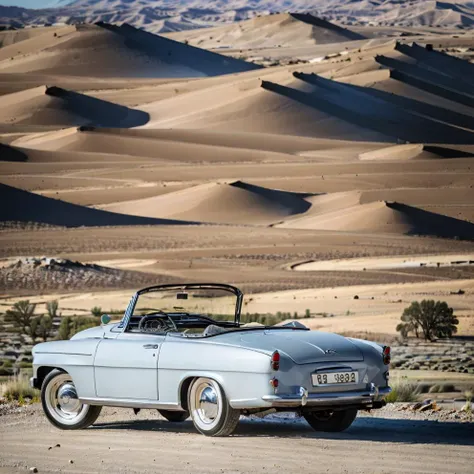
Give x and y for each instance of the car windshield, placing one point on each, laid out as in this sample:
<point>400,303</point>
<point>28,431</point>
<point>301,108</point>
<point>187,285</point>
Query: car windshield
<point>216,303</point>
<point>193,310</point>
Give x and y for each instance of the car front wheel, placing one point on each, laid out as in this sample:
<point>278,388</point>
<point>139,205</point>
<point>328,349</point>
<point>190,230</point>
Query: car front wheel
<point>210,410</point>
<point>330,421</point>
<point>61,404</point>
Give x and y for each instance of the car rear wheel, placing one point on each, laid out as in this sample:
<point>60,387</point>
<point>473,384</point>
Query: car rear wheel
<point>61,404</point>
<point>174,416</point>
<point>210,410</point>
<point>331,421</point>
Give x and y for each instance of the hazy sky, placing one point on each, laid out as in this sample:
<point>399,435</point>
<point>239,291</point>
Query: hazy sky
<point>29,3</point>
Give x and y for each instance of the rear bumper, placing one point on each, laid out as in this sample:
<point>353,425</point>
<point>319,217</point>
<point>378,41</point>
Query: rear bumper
<point>364,398</point>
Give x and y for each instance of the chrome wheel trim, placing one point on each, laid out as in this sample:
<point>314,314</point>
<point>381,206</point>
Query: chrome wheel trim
<point>206,403</point>
<point>62,402</point>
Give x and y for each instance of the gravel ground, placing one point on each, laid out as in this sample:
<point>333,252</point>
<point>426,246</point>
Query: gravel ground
<point>394,439</point>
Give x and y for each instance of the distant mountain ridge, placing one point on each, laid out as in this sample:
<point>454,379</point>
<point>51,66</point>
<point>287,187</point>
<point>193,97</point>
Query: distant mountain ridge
<point>161,16</point>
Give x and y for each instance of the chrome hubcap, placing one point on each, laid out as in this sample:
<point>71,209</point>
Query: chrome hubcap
<point>67,399</point>
<point>62,401</point>
<point>207,405</point>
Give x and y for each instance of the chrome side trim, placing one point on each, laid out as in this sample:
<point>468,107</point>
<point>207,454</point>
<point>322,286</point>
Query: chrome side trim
<point>131,403</point>
<point>64,353</point>
<point>364,397</point>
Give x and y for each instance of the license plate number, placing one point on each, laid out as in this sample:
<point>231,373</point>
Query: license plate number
<point>330,378</point>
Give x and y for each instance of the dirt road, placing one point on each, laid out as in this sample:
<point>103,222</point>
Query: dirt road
<point>121,442</point>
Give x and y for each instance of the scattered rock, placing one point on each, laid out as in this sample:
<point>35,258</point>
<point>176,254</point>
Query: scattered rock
<point>33,469</point>
<point>71,461</point>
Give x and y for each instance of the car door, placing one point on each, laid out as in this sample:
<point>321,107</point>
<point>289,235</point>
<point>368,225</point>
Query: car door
<point>126,367</point>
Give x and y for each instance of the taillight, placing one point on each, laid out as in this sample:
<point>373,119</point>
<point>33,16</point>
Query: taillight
<point>275,360</point>
<point>386,355</point>
<point>274,383</point>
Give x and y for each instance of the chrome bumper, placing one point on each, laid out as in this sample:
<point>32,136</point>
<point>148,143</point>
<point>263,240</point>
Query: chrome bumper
<point>364,397</point>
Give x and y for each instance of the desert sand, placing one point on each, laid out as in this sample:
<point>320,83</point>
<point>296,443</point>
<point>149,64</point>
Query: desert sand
<point>118,145</point>
<point>321,168</point>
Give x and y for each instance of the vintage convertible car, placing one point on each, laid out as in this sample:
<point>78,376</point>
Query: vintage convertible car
<point>183,350</point>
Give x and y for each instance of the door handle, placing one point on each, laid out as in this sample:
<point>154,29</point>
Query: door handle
<point>150,346</point>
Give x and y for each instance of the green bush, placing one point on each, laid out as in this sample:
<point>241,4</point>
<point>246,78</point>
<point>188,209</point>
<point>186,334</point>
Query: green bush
<point>96,311</point>
<point>71,325</point>
<point>24,365</point>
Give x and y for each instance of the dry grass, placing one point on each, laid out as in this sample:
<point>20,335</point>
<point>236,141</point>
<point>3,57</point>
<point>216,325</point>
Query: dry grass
<point>18,389</point>
<point>403,391</point>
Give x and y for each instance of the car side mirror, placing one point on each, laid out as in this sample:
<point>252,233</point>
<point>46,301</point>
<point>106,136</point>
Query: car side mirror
<point>105,319</point>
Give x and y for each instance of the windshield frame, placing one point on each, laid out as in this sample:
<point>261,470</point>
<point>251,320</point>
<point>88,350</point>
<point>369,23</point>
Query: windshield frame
<point>184,287</point>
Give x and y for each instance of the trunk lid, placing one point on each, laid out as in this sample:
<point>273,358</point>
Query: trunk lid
<point>304,347</point>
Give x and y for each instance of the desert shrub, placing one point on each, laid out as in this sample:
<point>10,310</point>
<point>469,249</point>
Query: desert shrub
<point>71,325</point>
<point>6,367</point>
<point>403,391</point>
<point>21,315</point>
<point>24,365</point>
<point>19,389</point>
<point>433,319</point>
<point>96,311</point>
<point>41,326</point>
<point>52,308</point>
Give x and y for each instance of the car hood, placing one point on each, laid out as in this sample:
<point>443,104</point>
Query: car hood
<point>303,347</point>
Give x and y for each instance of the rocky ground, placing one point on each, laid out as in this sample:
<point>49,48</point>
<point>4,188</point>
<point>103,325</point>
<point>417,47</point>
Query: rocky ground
<point>43,273</point>
<point>445,356</point>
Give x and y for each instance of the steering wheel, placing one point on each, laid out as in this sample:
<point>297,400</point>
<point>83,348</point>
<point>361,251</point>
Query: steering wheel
<point>161,323</point>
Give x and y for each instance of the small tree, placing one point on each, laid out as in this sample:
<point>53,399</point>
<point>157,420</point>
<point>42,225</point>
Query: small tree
<point>52,309</point>
<point>21,315</point>
<point>64,329</point>
<point>435,319</point>
<point>44,327</point>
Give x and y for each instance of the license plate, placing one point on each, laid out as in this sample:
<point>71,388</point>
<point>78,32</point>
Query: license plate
<point>335,378</point>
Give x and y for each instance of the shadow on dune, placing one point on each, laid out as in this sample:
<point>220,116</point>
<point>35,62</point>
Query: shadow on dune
<point>319,24</point>
<point>8,153</point>
<point>416,107</point>
<point>383,430</point>
<point>96,111</point>
<point>180,54</point>
<point>23,206</point>
<point>358,107</point>
<point>423,222</point>
<point>447,64</point>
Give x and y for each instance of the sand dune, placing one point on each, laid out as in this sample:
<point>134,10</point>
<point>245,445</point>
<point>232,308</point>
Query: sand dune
<point>57,106</point>
<point>107,50</point>
<point>23,206</point>
<point>280,30</point>
<point>235,202</point>
<point>382,216</point>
